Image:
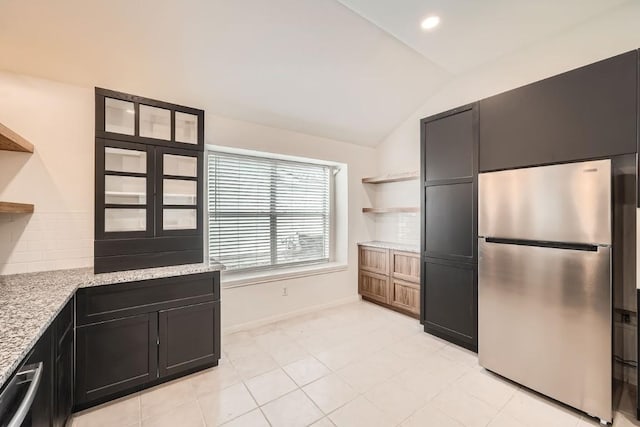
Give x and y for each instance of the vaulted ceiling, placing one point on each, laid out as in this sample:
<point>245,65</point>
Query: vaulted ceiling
<point>350,70</point>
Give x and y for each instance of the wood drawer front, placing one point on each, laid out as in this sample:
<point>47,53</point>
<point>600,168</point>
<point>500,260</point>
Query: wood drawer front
<point>107,302</point>
<point>405,266</point>
<point>373,259</point>
<point>374,286</point>
<point>405,295</point>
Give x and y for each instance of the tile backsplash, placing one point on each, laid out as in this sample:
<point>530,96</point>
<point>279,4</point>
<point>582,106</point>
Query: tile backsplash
<point>399,228</point>
<point>45,241</point>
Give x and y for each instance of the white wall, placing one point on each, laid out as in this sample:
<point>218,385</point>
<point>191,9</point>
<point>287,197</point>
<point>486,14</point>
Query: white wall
<point>242,305</point>
<point>59,179</point>
<point>609,35</point>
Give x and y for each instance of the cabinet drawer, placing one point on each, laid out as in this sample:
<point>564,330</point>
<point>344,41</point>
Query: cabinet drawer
<point>405,266</point>
<point>108,302</point>
<point>375,260</point>
<point>374,286</point>
<point>405,295</point>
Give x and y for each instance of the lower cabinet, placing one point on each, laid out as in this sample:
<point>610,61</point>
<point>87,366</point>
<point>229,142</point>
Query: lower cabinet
<point>115,355</point>
<point>42,406</point>
<point>187,337</point>
<point>53,401</point>
<point>406,296</point>
<point>390,277</point>
<point>374,286</point>
<point>63,365</point>
<point>451,302</point>
<point>171,327</point>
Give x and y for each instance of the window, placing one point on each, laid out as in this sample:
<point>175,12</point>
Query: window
<point>266,212</point>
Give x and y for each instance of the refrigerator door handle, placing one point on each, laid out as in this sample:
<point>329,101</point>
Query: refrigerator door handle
<point>544,244</point>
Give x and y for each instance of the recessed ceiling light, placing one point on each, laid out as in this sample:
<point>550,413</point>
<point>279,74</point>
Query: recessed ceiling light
<point>430,22</point>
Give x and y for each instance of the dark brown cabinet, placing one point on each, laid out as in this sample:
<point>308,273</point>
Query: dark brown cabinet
<point>115,355</point>
<point>186,339</point>
<point>590,112</point>
<point>451,301</point>
<point>42,406</point>
<point>449,225</point>
<point>63,365</point>
<point>149,183</point>
<point>135,335</point>
<point>53,401</point>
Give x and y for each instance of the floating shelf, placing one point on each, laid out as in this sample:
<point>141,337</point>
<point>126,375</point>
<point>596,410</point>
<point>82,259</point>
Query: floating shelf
<point>9,207</point>
<point>11,141</point>
<point>397,177</point>
<point>391,210</point>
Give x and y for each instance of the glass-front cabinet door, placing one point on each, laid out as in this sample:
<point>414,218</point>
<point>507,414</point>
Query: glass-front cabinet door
<point>132,118</point>
<point>125,190</point>
<point>178,205</point>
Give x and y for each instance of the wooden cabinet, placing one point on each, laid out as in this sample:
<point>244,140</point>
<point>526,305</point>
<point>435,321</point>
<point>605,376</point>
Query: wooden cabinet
<point>390,278</point>
<point>375,260</point>
<point>449,226</point>
<point>374,286</point>
<point>590,112</point>
<point>405,266</point>
<point>135,335</point>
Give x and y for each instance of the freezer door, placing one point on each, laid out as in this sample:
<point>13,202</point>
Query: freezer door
<point>544,321</point>
<point>560,203</point>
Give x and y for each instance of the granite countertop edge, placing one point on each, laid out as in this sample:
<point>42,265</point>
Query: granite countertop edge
<point>26,312</point>
<point>406,247</point>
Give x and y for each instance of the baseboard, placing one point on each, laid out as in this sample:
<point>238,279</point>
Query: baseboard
<point>271,319</point>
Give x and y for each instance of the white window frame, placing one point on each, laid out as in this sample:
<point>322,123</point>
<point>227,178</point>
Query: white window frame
<point>272,273</point>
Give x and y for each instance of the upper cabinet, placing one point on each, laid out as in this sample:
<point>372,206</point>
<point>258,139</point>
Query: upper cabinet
<point>149,183</point>
<point>132,118</point>
<point>590,112</point>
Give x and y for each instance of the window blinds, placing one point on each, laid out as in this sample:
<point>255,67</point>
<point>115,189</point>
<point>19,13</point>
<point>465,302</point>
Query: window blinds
<point>266,212</point>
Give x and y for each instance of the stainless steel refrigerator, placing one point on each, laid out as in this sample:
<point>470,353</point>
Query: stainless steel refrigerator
<point>544,281</point>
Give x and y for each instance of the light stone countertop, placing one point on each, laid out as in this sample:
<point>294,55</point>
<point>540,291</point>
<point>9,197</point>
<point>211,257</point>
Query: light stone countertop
<point>30,302</point>
<point>393,246</point>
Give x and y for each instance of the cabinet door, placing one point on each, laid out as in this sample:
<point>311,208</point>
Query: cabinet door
<point>405,266</point>
<point>63,367</point>
<point>374,286</point>
<point>450,217</point>
<point>63,399</point>
<point>42,407</point>
<point>451,303</point>
<point>114,356</point>
<point>586,113</point>
<point>179,183</point>
<point>449,146</point>
<point>189,337</point>
<point>375,260</point>
<point>405,295</point>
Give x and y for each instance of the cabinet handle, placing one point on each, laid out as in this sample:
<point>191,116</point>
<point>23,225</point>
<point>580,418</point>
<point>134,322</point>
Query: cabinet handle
<point>33,374</point>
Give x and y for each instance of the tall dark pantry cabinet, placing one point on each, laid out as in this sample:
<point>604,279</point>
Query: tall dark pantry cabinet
<point>449,173</point>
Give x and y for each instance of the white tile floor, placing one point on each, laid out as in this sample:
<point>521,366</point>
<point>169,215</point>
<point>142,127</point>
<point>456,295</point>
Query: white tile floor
<point>349,366</point>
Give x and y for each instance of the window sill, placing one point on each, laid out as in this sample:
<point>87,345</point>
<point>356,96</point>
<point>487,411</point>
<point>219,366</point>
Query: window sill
<point>236,280</point>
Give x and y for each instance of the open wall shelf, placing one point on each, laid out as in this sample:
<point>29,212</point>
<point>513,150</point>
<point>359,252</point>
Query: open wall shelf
<point>397,177</point>
<point>11,141</point>
<point>391,210</point>
<point>16,208</point>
